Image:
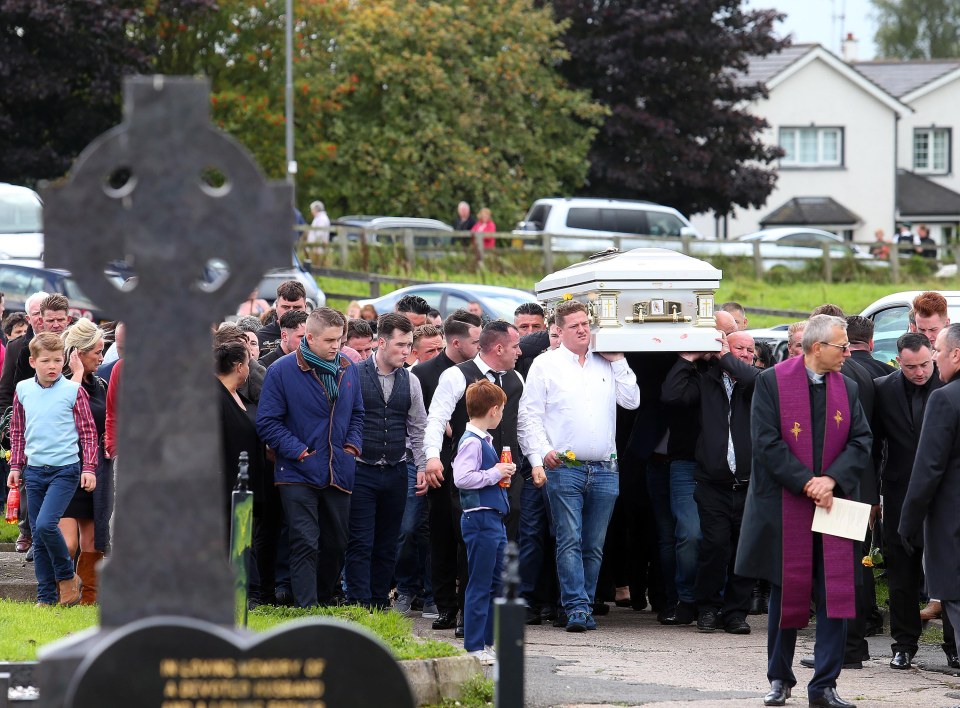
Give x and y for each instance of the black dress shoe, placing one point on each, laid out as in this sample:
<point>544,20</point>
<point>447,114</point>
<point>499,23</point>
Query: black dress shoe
<point>533,616</point>
<point>560,621</point>
<point>830,699</point>
<point>686,613</point>
<point>669,618</point>
<point>737,625</point>
<point>446,620</point>
<point>778,695</point>
<point>707,621</point>
<point>458,632</point>
<point>900,660</point>
<point>548,613</point>
<point>756,601</point>
<point>953,661</point>
<point>601,608</point>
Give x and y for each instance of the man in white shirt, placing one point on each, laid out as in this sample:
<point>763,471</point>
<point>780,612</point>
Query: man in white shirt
<point>567,423</point>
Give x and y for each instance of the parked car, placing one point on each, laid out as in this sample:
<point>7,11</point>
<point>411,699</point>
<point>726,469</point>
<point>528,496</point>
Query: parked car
<point>389,229</point>
<point>776,337</point>
<point>497,302</point>
<point>297,271</point>
<point>21,223</point>
<point>638,224</point>
<point>792,247</point>
<point>890,315</point>
<point>19,279</point>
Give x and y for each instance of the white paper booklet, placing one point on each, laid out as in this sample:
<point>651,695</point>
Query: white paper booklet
<point>847,519</point>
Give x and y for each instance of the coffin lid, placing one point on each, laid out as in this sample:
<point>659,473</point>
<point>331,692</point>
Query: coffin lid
<point>648,267</point>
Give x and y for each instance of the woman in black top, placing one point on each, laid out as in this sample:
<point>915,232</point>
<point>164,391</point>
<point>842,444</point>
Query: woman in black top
<point>238,421</point>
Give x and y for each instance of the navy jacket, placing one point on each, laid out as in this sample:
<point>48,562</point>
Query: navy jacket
<point>294,415</point>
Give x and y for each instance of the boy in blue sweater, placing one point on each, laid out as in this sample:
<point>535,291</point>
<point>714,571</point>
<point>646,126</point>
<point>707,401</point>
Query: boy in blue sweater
<point>51,415</point>
<point>477,473</point>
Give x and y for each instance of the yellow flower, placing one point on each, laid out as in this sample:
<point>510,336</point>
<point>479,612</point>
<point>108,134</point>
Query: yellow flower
<point>567,296</point>
<point>569,454</point>
<point>867,562</point>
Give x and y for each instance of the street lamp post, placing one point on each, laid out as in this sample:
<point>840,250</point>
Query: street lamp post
<point>291,160</point>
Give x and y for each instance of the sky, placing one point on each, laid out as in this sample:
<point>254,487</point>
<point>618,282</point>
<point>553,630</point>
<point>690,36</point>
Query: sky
<point>820,21</point>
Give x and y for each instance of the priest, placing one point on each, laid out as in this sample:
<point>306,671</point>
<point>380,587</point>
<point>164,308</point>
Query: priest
<point>811,443</point>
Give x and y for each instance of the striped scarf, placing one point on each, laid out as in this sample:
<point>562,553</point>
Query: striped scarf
<point>326,370</point>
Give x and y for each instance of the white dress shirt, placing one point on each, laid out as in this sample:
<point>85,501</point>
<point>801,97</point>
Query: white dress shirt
<point>566,406</point>
<point>450,389</point>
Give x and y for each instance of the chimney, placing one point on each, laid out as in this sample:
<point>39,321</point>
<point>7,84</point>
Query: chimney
<point>850,48</point>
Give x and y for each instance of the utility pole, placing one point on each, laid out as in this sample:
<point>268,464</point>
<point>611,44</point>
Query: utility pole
<point>288,113</point>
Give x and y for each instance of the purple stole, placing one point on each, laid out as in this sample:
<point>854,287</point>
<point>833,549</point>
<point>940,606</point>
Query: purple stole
<point>795,429</point>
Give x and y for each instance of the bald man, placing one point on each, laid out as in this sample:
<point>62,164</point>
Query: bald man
<point>726,322</point>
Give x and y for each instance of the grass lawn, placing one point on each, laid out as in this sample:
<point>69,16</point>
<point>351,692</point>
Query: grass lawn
<point>8,532</point>
<point>24,628</point>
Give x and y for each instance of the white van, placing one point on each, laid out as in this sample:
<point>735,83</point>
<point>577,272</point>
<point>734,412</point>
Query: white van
<point>21,223</point>
<point>638,224</point>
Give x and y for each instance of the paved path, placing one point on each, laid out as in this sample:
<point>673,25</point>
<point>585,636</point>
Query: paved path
<point>633,660</point>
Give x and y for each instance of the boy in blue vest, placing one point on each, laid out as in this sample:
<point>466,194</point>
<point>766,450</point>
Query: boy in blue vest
<point>477,473</point>
<point>51,415</point>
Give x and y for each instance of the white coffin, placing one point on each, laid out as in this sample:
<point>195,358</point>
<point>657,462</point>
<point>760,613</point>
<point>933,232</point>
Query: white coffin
<point>644,300</point>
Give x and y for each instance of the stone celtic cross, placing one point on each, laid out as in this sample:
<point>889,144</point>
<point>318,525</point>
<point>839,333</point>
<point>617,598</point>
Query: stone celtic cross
<point>138,194</point>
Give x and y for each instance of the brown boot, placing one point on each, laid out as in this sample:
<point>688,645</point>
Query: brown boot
<point>70,590</point>
<point>87,570</point>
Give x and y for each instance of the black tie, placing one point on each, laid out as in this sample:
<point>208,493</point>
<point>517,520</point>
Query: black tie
<point>916,407</point>
<point>497,377</point>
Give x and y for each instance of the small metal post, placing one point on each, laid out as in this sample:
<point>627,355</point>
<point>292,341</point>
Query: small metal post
<point>548,253</point>
<point>510,613</point>
<point>895,261</point>
<point>241,537</point>
<point>409,251</point>
<point>757,260</point>
<point>827,264</point>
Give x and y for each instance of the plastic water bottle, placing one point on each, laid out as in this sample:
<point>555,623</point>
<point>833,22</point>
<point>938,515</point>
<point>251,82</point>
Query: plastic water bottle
<point>614,467</point>
<point>13,505</point>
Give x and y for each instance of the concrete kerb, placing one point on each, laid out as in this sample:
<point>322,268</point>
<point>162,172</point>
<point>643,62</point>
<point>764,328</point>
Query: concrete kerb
<point>431,680</point>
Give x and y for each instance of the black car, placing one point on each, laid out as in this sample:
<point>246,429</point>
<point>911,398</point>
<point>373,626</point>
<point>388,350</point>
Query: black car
<point>20,279</point>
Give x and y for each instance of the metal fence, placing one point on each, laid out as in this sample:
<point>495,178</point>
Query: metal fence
<point>412,246</point>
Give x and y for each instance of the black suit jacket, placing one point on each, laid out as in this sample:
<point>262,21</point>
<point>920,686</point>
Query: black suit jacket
<point>933,495</point>
<point>16,368</point>
<point>857,372</point>
<point>874,367</point>
<point>705,395</point>
<point>894,424</point>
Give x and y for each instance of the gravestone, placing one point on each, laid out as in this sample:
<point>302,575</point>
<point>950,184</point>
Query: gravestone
<point>142,193</point>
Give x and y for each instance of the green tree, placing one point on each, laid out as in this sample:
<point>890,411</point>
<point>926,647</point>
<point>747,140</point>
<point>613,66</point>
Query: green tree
<point>443,101</point>
<point>402,107</point>
<point>918,29</point>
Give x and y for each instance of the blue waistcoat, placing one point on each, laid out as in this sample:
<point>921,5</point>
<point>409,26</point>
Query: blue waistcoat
<point>384,422</point>
<point>50,430</point>
<point>493,496</point>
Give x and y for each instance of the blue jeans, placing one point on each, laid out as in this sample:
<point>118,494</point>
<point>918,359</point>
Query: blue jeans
<point>413,551</point>
<point>658,487</point>
<point>50,490</point>
<point>376,510</point>
<point>687,516</point>
<point>317,524</point>
<point>485,538</point>
<point>535,524</point>
<point>581,503</point>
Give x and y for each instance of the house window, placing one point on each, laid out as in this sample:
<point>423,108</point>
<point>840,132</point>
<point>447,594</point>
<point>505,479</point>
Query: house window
<point>931,150</point>
<point>812,147</point>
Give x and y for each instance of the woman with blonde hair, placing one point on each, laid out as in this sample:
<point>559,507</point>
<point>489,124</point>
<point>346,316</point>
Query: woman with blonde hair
<point>85,523</point>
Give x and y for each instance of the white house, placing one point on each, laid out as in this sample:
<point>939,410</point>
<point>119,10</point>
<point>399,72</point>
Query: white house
<point>867,145</point>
